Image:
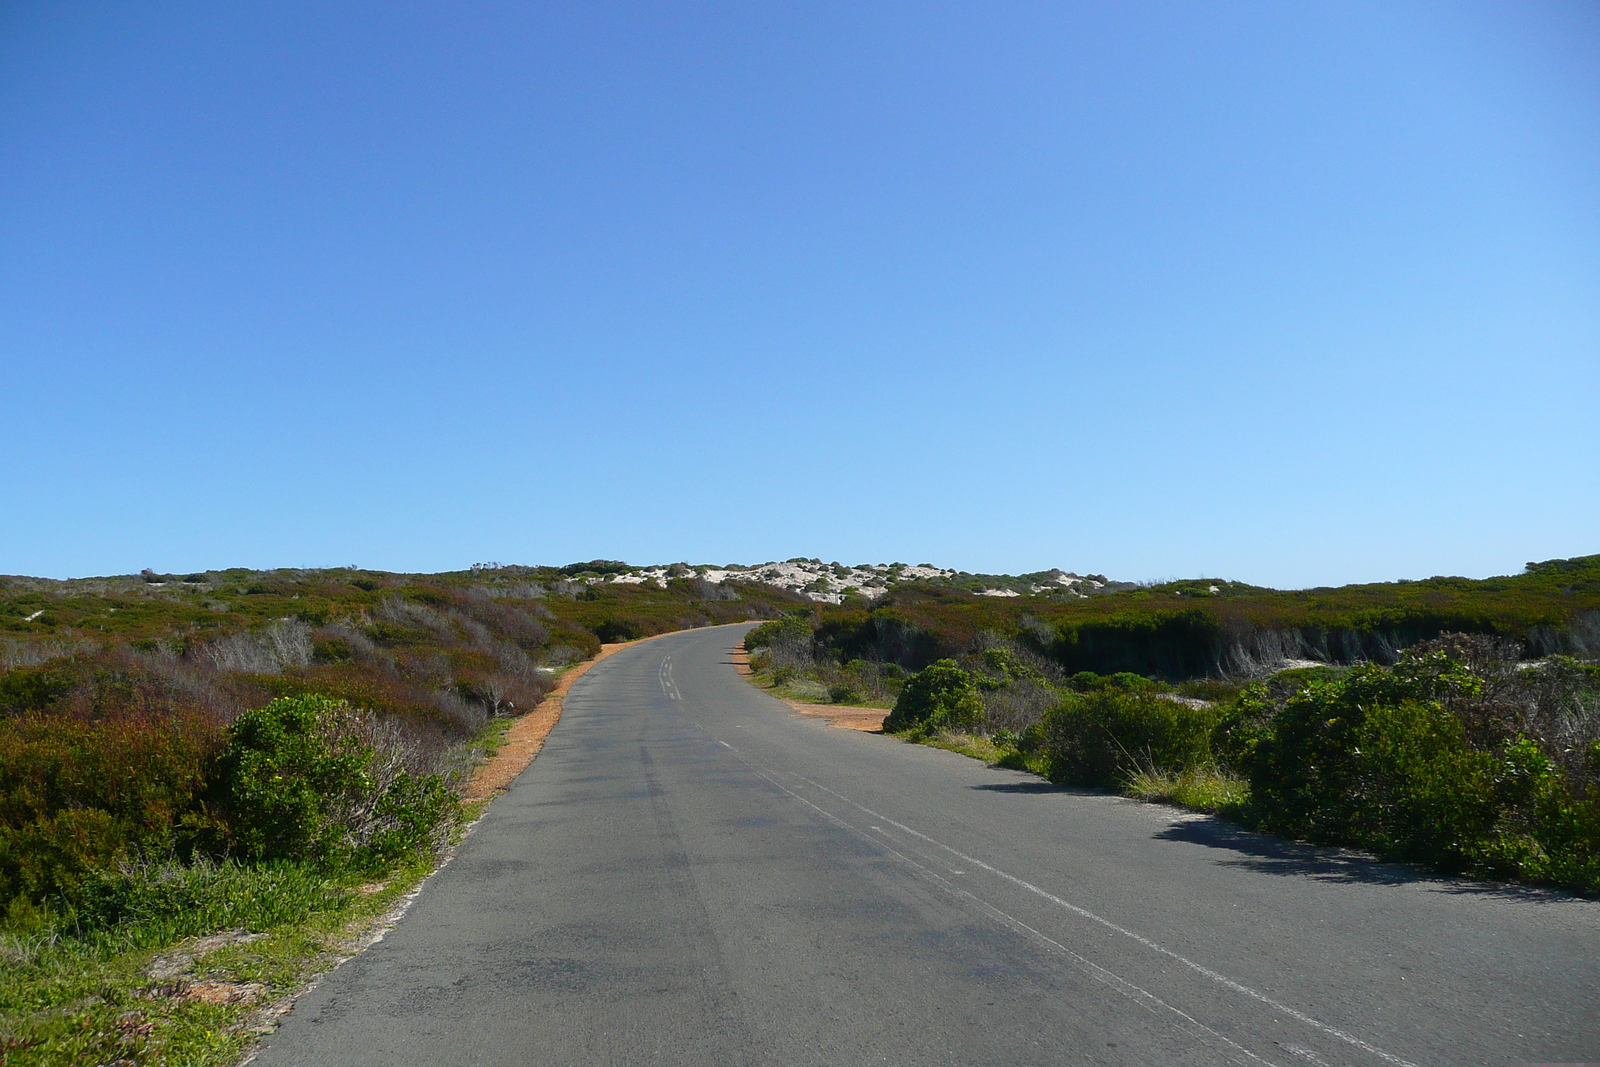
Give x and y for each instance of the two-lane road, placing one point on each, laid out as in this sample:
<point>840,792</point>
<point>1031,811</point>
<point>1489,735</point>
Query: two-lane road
<point>688,874</point>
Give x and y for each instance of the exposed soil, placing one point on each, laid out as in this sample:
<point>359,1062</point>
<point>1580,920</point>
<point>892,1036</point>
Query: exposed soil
<point>526,736</point>
<point>177,963</point>
<point>223,992</point>
<point>844,716</point>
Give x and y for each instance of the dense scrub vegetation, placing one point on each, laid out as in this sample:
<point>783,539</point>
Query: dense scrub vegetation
<point>1186,630</point>
<point>1459,756</point>
<point>1451,723</point>
<point>181,754</point>
<point>128,706</point>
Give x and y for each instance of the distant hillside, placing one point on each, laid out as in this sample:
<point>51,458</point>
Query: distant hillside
<point>1202,628</point>
<point>444,651</point>
<point>301,626</point>
<point>834,583</point>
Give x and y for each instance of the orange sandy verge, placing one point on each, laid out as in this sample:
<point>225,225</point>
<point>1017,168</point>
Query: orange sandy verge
<point>843,716</point>
<point>526,736</point>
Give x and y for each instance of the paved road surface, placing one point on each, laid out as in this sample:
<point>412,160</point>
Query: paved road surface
<point>690,875</point>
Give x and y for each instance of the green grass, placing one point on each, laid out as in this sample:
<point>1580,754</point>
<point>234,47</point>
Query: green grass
<point>489,740</point>
<point>1208,790</point>
<point>979,748</point>
<point>71,996</point>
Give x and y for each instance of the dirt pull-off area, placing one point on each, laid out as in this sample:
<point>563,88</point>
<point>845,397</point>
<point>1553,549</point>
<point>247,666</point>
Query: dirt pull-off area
<point>844,716</point>
<point>526,736</point>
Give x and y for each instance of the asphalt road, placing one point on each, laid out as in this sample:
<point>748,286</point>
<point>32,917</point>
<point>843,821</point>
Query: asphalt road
<point>688,874</point>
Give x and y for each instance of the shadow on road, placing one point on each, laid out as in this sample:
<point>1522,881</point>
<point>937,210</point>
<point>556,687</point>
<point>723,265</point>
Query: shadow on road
<point>1020,787</point>
<point>1272,855</point>
<point>1036,787</point>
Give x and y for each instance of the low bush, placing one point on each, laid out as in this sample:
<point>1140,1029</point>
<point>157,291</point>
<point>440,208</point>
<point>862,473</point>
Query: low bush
<point>1124,681</point>
<point>311,778</point>
<point>1428,762</point>
<point>1212,689</point>
<point>303,779</point>
<point>1104,738</point>
<point>77,794</point>
<point>616,630</point>
<point>785,651</point>
<point>941,696</point>
<point>1015,706</point>
<point>789,627</point>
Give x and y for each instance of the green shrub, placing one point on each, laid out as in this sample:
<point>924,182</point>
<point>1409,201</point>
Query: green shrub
<point>1006,664</point>
<point>283,767</point>
<point>942,696</point>
<point>770,633</point>
<point>302,779</point>
<point>1103,738</point>
<point>1240,728</point>
<point>79,794</point>
<point>1422,794</point>
<point>1307,772</point>
<point>1124,681</point>
<point>1383,760</point>
<point>27,689</point>
<point>1567,832</point>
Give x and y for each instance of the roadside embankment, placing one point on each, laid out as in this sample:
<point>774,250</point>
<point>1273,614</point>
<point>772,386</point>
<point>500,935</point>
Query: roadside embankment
<point>845,716</point>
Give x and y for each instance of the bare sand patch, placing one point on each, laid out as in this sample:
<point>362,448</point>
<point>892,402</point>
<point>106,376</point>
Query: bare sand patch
<point>867,720</point>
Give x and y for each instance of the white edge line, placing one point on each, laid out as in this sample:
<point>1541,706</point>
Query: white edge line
<point>1148,1000</point>
<point>1220,979</point>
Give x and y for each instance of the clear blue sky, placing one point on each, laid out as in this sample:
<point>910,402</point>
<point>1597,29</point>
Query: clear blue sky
<point>1293,293</point>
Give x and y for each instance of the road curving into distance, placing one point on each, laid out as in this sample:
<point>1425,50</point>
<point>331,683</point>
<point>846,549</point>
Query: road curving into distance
<point>690,874</point>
